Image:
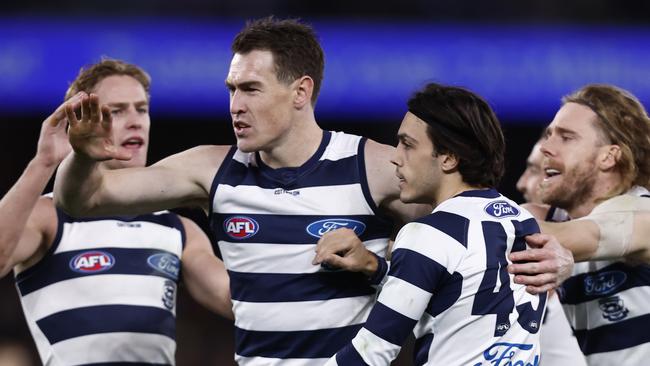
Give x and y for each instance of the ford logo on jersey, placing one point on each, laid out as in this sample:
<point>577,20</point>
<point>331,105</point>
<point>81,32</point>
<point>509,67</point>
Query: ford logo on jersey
<point>165,263</point>
<point>321,227</point>
<point>604,283</point>
<point>500,209</point>
<point>92,262</point>
<point>240,227</point>
<point>504,353</point>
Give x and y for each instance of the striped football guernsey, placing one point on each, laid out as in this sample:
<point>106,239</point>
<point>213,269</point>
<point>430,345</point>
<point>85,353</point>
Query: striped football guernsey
<point>607,304</point>
<point>287,311</point>
<point>448,284</point>
<point>105,293</point>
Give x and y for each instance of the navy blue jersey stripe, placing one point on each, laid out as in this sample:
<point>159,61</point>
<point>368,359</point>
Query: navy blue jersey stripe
<point>295,229</point>
<point>446,294</point>
<point>417,269</point>
<point>274,287</point>
<point>620,335</point>
<point>451,224</point>
<point>606,282</point>
<point>490,193</point>
<point>126,261</point>
<point>349,356</point>
<point>327,172</point>
<point>107,319</point>
<point>165,219</point>
<point>421,349</point>
<point>320,343</point>
<point>389,324</point>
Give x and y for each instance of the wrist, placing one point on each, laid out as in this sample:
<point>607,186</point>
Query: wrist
<point>380,269</point>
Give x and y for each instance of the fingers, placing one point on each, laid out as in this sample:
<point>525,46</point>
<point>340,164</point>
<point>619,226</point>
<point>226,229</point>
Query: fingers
<point>536,290</point>
<point>95,111</point>
<point>60,113</point>
<point>530,255</point>
<point>538,240</point>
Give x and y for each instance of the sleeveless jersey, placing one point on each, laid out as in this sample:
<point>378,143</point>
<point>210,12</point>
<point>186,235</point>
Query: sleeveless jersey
<point>105,293</point>
<point>267,222</point>
<point>448,283</point>
<point>606,303</point>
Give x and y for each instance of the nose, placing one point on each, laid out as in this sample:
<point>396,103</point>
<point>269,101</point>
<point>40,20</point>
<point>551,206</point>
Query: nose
<point>521,183</point>
<point>134,119</point>
<point>396,158</point>
<point>237,105</point>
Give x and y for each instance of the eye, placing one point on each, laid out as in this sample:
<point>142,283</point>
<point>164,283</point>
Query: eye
<point>117,112</point>
<point>143,110</point>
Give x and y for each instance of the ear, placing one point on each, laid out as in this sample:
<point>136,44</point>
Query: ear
<point>609,156</point>
<point>448,162</point>
<point>304,90</point>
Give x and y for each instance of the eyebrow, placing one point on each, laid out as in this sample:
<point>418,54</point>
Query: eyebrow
<point>139,103</point>
<point>406,138</point>
<point>243,84</point>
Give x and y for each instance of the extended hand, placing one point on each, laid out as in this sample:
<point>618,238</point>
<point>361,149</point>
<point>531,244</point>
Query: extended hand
<point>543,267</point>
<point>91,135</point>
<point>53,145</point>
<point>342,249</point>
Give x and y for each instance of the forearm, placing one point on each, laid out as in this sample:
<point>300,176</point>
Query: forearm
<point>77,182</point>
<point>17,206</point>
<point>579,236</point>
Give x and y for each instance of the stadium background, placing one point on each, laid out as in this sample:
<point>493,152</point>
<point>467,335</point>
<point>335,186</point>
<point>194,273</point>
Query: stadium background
<point>522,56</point>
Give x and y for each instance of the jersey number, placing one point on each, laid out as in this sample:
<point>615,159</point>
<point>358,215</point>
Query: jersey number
<point>501,303</point>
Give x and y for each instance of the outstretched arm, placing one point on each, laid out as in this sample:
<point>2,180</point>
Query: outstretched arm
<point>84,188</point>
<point>203,273</point>
<point>25,222</point>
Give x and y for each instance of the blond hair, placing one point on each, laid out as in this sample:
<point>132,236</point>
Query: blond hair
<point>623,121</point>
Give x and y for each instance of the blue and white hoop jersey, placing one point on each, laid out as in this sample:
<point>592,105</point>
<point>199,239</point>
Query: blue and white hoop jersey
<point>448,283</point>
<point>105,293</point>
<point>606,303</point>
<point>268,221</point>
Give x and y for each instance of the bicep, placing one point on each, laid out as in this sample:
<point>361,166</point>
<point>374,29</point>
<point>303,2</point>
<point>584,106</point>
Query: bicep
<point>37,236</point>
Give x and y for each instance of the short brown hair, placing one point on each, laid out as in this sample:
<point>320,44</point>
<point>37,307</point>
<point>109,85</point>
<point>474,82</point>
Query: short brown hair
<point>462,124</point>
<point>91,75</point>
<point>294,45</point>
<point>622,121</point>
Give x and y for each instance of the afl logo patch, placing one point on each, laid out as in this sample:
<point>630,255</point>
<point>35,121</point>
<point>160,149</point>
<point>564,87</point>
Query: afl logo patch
<point>92,262</point>
<point>240,227</point>
<point>501,209</point>
<point>322,227</point>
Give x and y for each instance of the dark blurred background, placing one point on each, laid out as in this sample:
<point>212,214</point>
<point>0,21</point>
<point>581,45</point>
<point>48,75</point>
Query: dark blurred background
<point>521,56</point>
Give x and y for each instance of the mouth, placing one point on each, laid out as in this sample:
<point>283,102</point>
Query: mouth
<point>133,143</point>
<point>550,173</point>
<point>240,127</point>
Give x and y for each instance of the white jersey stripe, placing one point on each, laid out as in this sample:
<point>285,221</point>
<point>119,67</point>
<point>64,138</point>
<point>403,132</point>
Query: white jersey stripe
<point>277,317</point>
<point>256,200</point>
<point>104,348</point>
<point>148,235</point>
<point>106,290</point>
<point>279,258</point>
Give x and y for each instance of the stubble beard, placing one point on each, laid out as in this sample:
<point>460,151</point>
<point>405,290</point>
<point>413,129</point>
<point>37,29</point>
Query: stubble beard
<point>577,187</point>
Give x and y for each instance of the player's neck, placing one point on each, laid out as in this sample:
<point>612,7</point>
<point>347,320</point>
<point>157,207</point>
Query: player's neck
<point>296,147</point>
<point>451,186</point>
